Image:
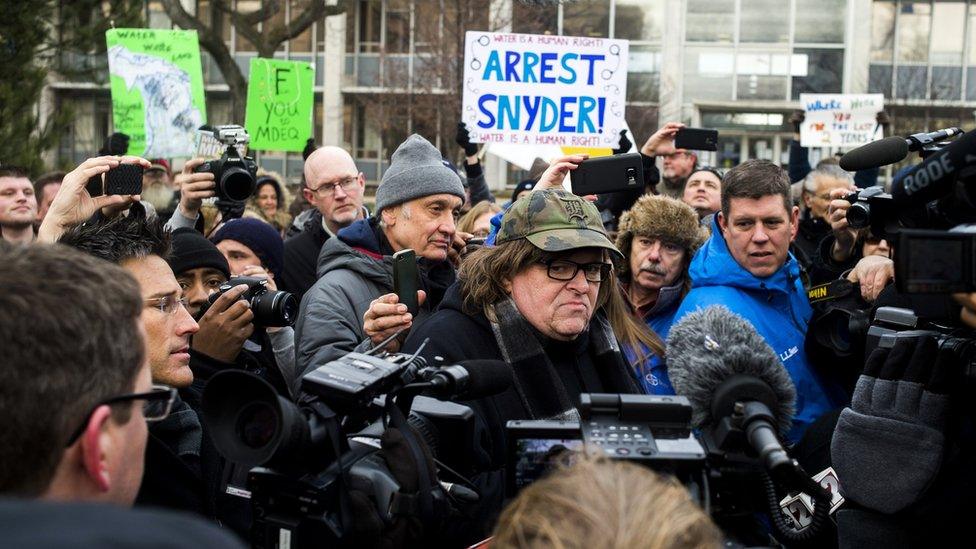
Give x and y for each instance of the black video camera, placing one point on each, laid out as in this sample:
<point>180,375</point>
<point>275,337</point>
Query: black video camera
<point>721,475</point>
<point>309,459</point>
<point>652,430</point>
<point>271,309</point>
<point>235,175</point>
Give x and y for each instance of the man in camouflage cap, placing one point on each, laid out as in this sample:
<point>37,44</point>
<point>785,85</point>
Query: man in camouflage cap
<point>536,300</point>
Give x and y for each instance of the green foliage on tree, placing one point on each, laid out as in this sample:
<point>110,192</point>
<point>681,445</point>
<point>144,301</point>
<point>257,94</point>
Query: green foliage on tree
<point>40,38</point>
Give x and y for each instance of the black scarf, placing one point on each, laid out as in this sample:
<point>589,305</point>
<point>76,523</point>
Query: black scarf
<point>535,378</point>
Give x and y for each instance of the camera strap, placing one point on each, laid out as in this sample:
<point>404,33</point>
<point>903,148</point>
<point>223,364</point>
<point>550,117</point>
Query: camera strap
<point>424,497</point>
<point>331,421</point>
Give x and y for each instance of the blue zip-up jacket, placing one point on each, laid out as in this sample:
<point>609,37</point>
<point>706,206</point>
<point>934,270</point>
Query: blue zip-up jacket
<point>776,306</point>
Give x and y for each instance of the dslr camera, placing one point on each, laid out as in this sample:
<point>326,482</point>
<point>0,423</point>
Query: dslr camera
<point>235,175</point>
<point>271,309</point>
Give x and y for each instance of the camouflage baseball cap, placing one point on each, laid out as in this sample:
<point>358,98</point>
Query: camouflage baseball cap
<point>555,221</point>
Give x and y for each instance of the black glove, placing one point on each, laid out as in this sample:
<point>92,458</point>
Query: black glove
<point>463,139</point>
<point>888,446</point>
<point>624,145</point>
<point>406,527</point>
<point>796,118</point>
<point>309,148</point>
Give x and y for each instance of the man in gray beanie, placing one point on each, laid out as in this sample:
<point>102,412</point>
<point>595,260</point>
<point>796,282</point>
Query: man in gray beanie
<point>351,307</point>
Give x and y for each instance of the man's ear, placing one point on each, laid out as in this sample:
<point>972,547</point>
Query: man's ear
<point>507,285</point>
<point>722,222</point>
<point>96,443</point>
<point>389,215</point>
<point>807,198</point>
<point>309,195</point>
<point>794,222</point>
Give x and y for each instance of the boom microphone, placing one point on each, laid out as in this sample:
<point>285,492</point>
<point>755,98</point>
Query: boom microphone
<point>892,149</point>
<point>732,377</point>
<point>469,379</point>
<point>875,154</point>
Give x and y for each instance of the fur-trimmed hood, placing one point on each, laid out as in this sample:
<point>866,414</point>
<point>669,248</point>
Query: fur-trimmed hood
<point>664,218</point>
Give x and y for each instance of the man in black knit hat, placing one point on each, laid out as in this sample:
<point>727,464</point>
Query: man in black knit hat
<point>227,336</point>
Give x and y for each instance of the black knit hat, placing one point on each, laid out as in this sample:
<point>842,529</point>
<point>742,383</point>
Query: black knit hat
<point>192,251</point>
<point>526,185</point>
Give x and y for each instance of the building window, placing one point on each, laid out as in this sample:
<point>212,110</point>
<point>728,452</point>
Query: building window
<point>918,50</point>
<point>769,59</point>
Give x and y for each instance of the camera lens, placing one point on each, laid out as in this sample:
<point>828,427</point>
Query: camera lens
<point>257,424</point>
<point>859,215</point>
<point>237,183</point>
<point>275,309</point>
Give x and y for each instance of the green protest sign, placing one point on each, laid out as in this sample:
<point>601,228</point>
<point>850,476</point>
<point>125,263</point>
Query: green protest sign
<point>279,104</point>
<point>157,90</point>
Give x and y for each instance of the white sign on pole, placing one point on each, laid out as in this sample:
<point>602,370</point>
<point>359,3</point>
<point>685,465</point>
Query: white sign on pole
<point>529,89</point>
<point>840,120</point>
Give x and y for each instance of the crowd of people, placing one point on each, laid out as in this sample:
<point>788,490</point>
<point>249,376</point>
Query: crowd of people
<point>117,311</point>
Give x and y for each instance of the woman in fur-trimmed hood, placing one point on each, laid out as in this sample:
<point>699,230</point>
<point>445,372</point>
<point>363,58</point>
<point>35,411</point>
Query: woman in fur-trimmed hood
<point>270,201</point>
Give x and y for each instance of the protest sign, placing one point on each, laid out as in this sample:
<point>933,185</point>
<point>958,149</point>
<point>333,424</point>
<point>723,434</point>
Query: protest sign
<point>528,89</point>
<point>279,104</point>
<point>840,120</point>
<point>157,90</point>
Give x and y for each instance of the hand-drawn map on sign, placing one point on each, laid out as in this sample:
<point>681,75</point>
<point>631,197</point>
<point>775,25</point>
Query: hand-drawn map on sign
<point>531,89</point>
<point>157,90</point>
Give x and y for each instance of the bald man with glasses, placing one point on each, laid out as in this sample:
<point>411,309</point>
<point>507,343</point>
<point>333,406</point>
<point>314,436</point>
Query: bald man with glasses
<point>335,187</point>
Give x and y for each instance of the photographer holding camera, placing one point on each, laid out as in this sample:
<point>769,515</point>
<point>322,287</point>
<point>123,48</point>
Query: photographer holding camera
<point>230,335</point>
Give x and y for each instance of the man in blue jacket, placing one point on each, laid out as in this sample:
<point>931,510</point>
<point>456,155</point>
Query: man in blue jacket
<point>746,266</point>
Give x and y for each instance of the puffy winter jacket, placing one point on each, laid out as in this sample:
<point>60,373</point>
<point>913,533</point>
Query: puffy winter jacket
<point>776,306</point>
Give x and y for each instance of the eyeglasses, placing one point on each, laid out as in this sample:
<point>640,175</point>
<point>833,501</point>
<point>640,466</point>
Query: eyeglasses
<point>565,270</point>
<point>167,304</point>
<point>672,156</point>
<point>159,401</point>
<point>348,185</point>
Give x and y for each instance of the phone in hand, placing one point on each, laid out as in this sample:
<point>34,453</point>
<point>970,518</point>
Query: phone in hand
<point>608,174</point>
<point>696,139</point>
<point>405,279</point>
<point>124,179</point>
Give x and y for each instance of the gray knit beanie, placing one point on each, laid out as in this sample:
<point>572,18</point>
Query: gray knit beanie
<point>416,170</point>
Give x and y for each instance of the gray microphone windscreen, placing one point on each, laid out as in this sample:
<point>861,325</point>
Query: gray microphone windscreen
<point>875,154</point>
<point>708,346</point>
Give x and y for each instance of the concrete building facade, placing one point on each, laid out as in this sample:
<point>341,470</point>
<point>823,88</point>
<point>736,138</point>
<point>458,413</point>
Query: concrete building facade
<point>735,65</point>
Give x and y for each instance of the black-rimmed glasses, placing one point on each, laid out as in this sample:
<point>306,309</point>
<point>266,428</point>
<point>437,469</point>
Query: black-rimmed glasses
<point>348,185</point>
<point>565,270</point>
<point>158,403</point>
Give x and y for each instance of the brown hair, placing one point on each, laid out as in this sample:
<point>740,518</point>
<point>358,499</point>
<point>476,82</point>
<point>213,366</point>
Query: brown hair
<point>482,277</point>
<point>466,223</point>
<point>69,344</point>
<point>755,179</point>
<point>599,502</point>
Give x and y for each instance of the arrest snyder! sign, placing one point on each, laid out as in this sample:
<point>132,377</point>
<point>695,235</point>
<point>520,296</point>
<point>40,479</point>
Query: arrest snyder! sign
<point>531,89</point>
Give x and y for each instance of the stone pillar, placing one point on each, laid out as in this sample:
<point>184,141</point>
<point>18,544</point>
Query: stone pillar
<point>335,55</point>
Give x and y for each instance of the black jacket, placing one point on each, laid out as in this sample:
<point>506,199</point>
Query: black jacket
<point>193,484</point>
<point>36,524</point>
<point>301,257</point>
<point>456,336</point>
<point>806,248</point>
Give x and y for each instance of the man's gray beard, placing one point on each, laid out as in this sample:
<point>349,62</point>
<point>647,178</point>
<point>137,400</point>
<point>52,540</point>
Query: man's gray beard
<point>159,195</point>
